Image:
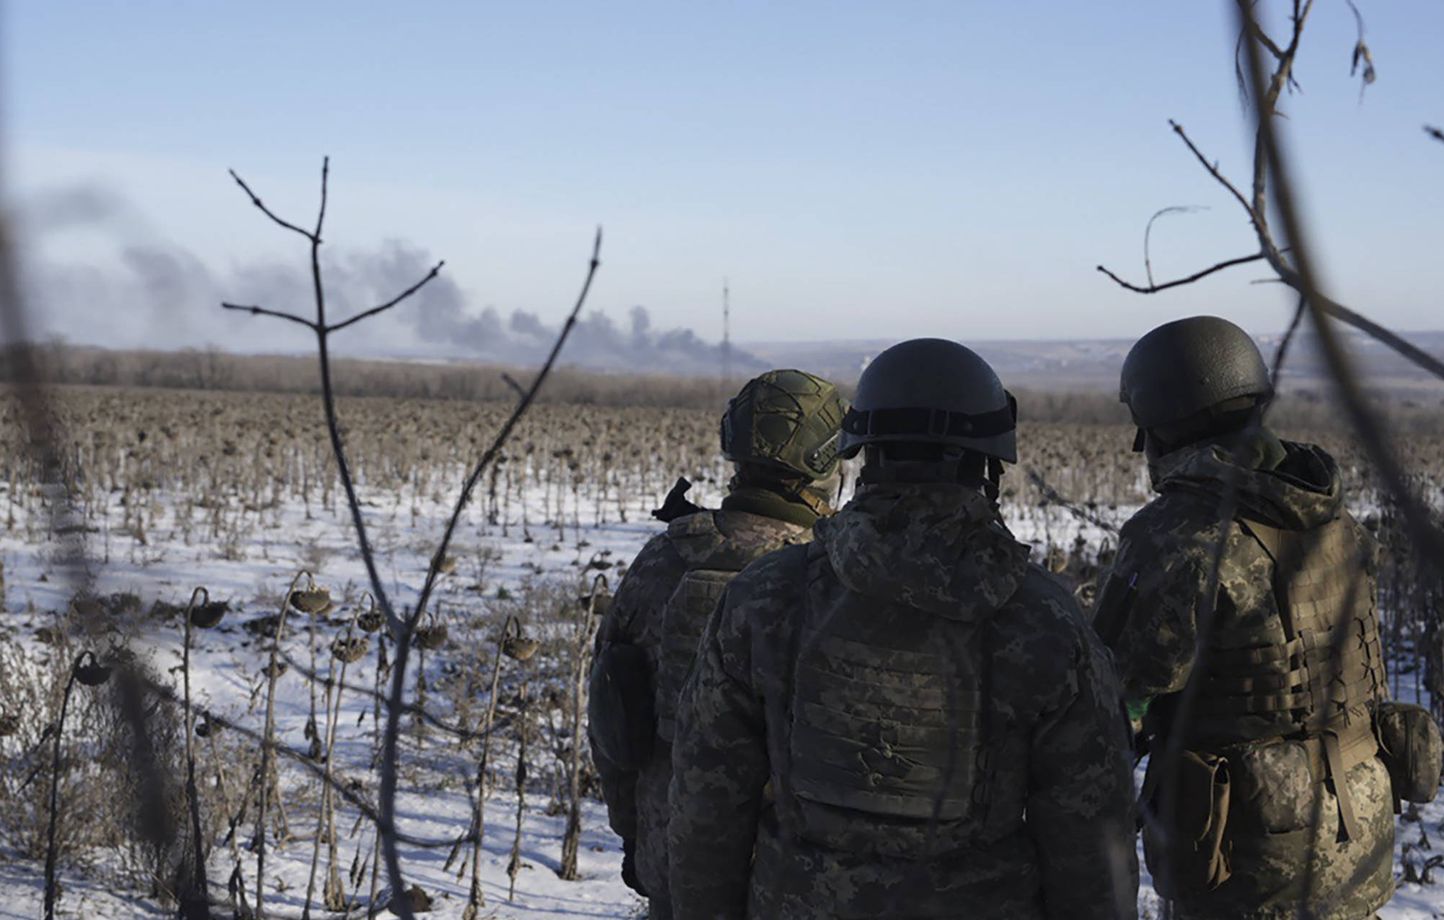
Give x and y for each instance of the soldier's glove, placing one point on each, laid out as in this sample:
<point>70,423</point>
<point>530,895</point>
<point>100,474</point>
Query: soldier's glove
<point>629,866</point>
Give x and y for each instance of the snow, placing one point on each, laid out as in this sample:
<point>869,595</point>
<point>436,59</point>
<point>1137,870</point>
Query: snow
<point>436,800</point>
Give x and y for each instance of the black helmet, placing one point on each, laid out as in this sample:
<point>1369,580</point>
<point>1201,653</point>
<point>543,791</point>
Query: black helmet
<point>932,391</point>
<point>787,420</point>
<point>1188,366</point>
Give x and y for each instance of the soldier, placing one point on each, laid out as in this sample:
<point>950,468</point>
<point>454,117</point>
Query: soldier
<point>905,718</point>
<point>1264,796</point>
<point>781,432</point>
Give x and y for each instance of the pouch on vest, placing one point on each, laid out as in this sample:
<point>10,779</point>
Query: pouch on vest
<point>1276,785</point>
<point>621,707</point>
<point>1186,845</point>
<point>1411,749</point>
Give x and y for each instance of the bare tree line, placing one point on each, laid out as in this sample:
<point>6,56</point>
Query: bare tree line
<point>1271,195</point>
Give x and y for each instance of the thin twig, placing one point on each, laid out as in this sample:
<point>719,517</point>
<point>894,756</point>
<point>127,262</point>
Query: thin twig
<point>1213,170</point>
<point>390,303</point>
<point>510,381</point>
<point>344,787</point>
<point>1366,422</point>
<point>262,311</point>
<point>1148,231</point>
<point>398,673</point>
<point>255,200</point>
<point>1155,288</point>
<point>1282,352</point>
<point>1073,508</point>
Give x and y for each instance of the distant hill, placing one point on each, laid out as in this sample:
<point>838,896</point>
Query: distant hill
<point>1094,364</point>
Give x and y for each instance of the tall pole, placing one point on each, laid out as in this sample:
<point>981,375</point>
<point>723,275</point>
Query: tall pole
<point>726,335</point>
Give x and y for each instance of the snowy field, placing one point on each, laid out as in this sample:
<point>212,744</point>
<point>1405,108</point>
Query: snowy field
<point>498,565</point>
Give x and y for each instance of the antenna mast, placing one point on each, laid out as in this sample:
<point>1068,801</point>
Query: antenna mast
<point>726,334</point>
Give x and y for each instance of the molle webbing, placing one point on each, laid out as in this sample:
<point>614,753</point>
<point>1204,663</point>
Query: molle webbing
<point>1330,659</point>
<point>887,728</point>
<point>683,623</point>
<point>713,559</point>
<point>876,724</point>
<point>1320,683</point>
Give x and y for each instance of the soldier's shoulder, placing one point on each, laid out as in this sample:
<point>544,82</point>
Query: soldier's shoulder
<point>1044,604</point>
<point>1043,634</point>
<point>771,577</point>
<point>657,548</point>
<point>698,523</point>
<point>658,560</point>
<point>1172,522</point>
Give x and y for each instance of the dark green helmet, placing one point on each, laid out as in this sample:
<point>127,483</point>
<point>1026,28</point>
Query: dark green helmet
<point>932,391</point>
<point>787,420</point>
<point>1188,366</point>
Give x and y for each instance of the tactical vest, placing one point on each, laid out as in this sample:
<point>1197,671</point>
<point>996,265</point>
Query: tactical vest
<point>1321,683</point>
<point>715,545</point>
<point>887,735</point>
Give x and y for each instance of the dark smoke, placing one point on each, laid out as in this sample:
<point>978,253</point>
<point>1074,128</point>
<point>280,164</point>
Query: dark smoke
<point>154,293</point>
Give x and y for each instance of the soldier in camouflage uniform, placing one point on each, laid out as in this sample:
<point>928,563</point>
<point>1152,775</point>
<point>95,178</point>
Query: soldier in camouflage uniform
<point>1281,696</point>
<point>781,432</point>
<point>905,718</point>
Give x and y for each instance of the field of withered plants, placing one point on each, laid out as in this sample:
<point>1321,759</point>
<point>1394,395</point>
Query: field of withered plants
<point>212,552</point>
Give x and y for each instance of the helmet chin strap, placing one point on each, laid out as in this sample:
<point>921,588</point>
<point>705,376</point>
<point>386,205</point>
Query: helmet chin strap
<point>819,496</point>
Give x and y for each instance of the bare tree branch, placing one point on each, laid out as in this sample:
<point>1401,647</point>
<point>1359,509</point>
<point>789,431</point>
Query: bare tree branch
<point>262,311</point>
<point>1078,511</point>
<point>1267,94</point>
<point>1400,345</point>
<point>1155,288</point>
<point>435,269</point>
<point>510,381</point>
<point>1361,53</point>
<point>255,200</point>
<point>398,667</point>
<point>1282,352</point>
<point>1148,230</point>
<point>1214,171</point>
<point>1369,426</point>
<point>321,211</point>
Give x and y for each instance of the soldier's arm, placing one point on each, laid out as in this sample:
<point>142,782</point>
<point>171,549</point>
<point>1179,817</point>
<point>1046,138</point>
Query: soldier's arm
<point>719,770</point>
<point>643,591</point>
<point>1146,612</point>
<point>1080,799</point>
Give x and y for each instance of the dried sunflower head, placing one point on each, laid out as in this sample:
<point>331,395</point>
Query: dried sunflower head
<point>209,614</point>
<point>431,637</point>
<point>312,601</point>
<point>90,672</point>
<point>350,649</point>
<point>371,621</point>
<point>519,648</point>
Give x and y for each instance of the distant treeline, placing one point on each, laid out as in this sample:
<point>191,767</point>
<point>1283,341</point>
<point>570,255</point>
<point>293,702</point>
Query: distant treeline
<point>212,369</point>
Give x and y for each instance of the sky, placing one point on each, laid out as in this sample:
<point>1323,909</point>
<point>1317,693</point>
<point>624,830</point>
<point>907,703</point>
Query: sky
<point>856,170</point>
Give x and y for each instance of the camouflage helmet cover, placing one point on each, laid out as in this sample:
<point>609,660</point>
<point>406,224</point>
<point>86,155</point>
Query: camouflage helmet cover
<point>786,419</point>
<point>932,391</point>
<point>1190,365</point>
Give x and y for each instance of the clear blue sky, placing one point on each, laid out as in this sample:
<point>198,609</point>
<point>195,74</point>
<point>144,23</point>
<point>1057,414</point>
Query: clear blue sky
<point>858,169</point>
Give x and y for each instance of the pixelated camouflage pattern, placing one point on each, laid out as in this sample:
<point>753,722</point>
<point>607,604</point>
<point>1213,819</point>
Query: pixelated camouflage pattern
<point>1054,837</point>
<point>1147,614</point>
<point>637,802</point>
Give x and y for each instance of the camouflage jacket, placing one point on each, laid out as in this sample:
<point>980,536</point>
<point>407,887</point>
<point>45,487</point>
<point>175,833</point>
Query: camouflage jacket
<point>1148,614</point>
<point>637,801</point>
<point>869,820</point>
